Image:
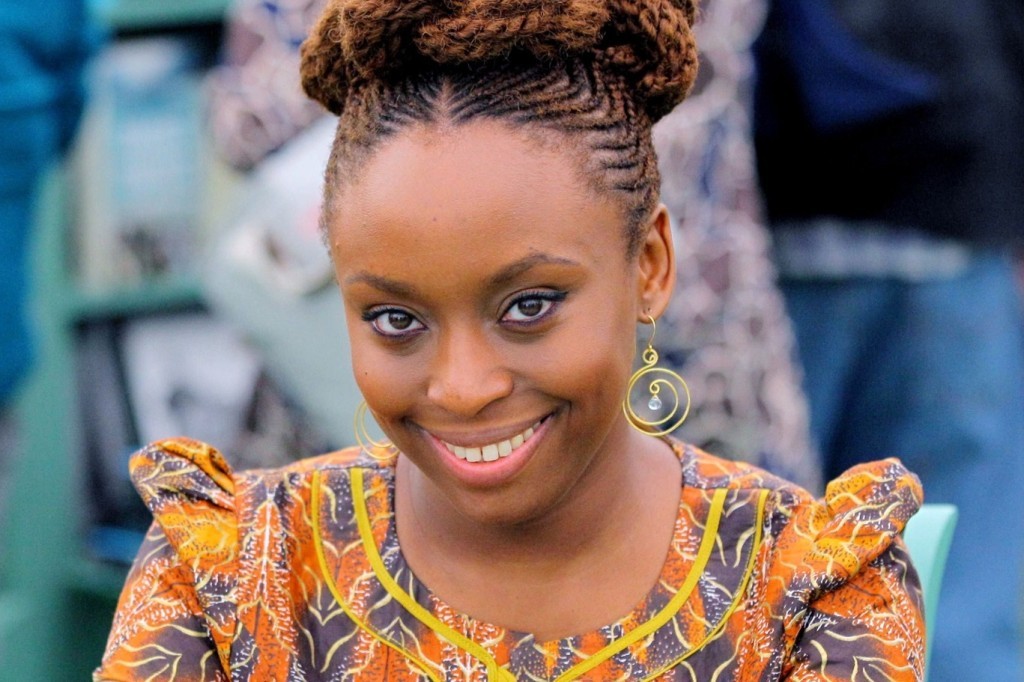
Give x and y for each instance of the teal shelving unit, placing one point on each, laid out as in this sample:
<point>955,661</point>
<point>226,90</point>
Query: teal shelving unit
<point>56,603</point>
<point>141,15</point>
<point>152,297</point>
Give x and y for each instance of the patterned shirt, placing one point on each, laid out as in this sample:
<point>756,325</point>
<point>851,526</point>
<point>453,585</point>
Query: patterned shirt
<point>296,574</point>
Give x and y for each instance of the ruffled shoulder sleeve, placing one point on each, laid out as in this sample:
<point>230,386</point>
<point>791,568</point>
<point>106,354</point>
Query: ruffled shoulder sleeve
<point>179,471</point>
<point>853,600</point>
<point>178,602</point>
<point>190,490</point>
<point>864,512</point>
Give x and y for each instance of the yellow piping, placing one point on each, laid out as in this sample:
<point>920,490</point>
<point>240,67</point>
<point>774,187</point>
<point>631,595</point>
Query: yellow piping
<point>707,544</point>
<point>740,592</point>
<point>329,579</point>
<point>400,595</point>
<point>494,671</point>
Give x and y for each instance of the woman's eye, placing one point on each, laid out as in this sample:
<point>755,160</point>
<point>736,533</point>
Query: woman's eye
<point>530,308</point>
<point>395,323</point>
<point>533,307</point>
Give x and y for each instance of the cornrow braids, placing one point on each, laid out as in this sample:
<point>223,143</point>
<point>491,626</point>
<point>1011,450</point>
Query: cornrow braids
<point>599,71</point>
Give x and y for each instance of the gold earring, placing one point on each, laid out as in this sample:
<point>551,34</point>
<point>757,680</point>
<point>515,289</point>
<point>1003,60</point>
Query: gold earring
<point>665,377</point>
<point>380,449</point>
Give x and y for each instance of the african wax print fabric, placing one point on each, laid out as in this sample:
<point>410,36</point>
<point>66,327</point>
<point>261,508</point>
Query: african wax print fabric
<point>296,574</point>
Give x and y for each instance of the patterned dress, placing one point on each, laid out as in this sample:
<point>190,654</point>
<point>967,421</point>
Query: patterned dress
<point>296,574</point>
<point>256,102</point>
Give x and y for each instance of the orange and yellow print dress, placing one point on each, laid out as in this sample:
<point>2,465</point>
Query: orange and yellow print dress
<point>296,574</point>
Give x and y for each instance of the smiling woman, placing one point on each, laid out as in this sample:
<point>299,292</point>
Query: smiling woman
<point>492,214</point>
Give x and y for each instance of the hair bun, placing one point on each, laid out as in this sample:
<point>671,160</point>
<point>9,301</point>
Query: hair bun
<point>650,42</point>
<point>647,42</point>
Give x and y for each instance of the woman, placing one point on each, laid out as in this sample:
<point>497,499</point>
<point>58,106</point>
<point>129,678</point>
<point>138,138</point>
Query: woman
<point>491,209</point>
<point>725,328</point>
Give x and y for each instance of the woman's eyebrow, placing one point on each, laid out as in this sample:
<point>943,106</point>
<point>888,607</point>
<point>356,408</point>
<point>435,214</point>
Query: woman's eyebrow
<point>388,286</point>
<point>502,277</point>
<point>513,270</point>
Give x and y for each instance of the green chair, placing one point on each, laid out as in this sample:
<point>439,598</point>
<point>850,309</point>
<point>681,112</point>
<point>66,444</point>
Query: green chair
<point>928,536</point>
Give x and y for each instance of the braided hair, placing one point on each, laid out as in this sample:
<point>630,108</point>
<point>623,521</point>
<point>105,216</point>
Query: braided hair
<point>599,71</point>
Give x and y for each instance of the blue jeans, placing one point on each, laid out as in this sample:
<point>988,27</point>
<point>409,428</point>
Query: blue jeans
<point>933,373</point>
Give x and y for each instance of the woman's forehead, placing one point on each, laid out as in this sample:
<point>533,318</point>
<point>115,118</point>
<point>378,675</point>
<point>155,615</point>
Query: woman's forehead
<point>476,192</point>
<point>480,164</point>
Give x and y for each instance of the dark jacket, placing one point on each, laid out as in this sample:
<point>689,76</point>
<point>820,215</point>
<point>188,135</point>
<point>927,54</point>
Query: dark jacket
<point>909,112</point>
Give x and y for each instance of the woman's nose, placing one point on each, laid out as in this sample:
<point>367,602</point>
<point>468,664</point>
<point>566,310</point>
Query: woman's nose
<point>468,374</point>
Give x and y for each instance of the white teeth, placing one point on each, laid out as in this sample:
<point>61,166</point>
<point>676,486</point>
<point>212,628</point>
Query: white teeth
<point>494,451</point>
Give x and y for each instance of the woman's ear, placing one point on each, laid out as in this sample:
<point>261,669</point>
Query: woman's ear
<point>657,266</point>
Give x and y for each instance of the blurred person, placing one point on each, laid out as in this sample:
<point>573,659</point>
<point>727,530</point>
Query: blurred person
<point>493,219</point>
<point>43,47</point>
<point>256,100</point>
<point>726,330</point>
<point>890,141</point>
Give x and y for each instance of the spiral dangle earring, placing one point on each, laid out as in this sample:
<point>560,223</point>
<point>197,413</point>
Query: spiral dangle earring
<point>659,378</point>
<point>380,449</point>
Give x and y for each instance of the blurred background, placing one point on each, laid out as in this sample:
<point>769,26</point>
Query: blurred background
<point>162,274</point>
<point>109,334</point>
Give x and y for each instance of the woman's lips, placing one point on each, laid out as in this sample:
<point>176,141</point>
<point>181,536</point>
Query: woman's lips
<point>492,451</point>
<point>492,468</point>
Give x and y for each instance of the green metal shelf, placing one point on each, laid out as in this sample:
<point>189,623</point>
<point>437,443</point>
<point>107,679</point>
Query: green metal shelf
<point>152,297</point>
<point>56,600</point>
<point>140,15</point>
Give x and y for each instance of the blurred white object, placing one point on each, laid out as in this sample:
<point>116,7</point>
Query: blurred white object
<point>188,375</point>
<point>271,275</point>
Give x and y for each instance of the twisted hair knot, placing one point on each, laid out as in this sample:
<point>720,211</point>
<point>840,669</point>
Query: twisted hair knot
<point>647,44</point>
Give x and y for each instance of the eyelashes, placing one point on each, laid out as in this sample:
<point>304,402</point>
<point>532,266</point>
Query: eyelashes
<point>393,322</point>
<point>530,307</point>
<point>525,310</point>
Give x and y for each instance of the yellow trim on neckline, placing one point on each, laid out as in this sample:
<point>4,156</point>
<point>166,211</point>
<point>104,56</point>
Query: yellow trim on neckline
<point>403,597</point>
<point>321,556</point>
<point>740,593</point>
<point>707,544</point>
<point>495,672</point>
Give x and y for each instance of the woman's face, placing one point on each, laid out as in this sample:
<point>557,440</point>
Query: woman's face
<point>492,309</point>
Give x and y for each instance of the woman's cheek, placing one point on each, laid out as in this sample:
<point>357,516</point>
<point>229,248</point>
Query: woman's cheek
<point>385,379</point>
<point>587,374</point>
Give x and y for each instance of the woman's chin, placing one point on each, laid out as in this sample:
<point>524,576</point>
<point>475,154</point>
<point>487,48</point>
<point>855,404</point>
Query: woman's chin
<point>501,512</point>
